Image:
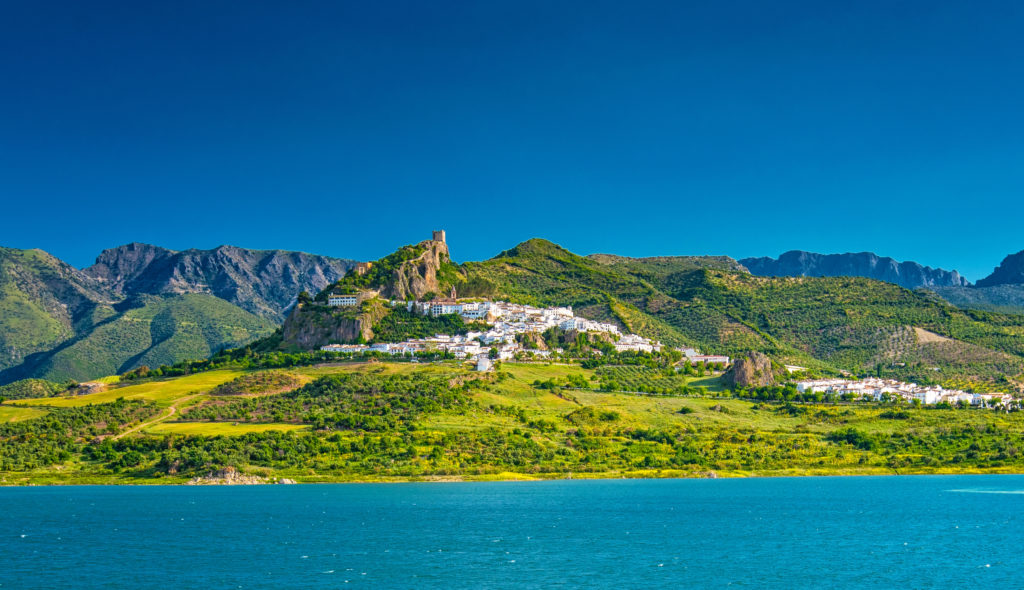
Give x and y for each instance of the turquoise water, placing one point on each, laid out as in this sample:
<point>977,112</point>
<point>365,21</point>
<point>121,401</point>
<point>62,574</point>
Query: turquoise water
<point>882,532</point>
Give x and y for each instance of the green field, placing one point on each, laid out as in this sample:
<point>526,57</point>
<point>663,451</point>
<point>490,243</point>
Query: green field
<point>163,392</point>
<point>219,428</point>
<point>13,414</point>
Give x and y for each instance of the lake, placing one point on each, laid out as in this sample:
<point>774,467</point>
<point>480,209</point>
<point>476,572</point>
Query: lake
<point>841,532</point>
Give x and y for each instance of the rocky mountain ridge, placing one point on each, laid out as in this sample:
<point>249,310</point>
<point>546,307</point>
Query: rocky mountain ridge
<point>1009,272</point>
<point>263,282</point>
<point>798,263</point>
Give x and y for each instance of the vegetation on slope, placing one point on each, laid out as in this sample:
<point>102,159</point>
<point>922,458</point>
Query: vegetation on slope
<point>43,302</point>
<point>829,323</point>
<point>30,388</point>
<point>65,433</point>
<point>1007,299</point>
<point>399,325</point>
<point>259,383</point>
<point>377,421</point>
<point>162,330</point>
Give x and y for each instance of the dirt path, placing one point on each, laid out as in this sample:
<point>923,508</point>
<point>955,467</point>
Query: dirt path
<point>171,410</point>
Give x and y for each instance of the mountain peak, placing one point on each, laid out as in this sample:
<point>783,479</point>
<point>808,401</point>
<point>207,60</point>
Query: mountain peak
<point>124,263</point>
<point>535,246</point>
<point>1009,272</point>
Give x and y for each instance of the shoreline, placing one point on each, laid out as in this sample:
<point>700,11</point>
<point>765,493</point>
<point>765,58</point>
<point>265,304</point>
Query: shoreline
<point>495,478</point>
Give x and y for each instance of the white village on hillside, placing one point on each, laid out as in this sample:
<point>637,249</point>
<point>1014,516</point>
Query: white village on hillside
<point>887,389</point>
<point>505,320</point>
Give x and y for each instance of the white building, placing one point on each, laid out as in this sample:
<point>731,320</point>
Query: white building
<point>338,300</point>
<point>445,307</point>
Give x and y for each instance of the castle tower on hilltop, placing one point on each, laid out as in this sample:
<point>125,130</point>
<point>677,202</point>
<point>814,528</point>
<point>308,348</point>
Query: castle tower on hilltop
<point>438,236</point>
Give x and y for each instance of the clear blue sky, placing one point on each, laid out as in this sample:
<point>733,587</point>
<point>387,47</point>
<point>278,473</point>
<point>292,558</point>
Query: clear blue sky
<point>637,128</point>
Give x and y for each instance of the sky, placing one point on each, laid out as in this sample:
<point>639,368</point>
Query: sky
<point>635,128</point>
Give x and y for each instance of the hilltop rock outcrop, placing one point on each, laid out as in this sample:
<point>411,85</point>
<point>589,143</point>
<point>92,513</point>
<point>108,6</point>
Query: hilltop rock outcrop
<point>753,370</point>
<point>415,278</point>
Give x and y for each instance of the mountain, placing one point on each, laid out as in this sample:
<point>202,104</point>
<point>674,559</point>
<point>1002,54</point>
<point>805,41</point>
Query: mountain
<point>828,323</point>
<point>909,275</point>
<point>143,305</point>
<point>1009,272</point>
<point>263,282</point>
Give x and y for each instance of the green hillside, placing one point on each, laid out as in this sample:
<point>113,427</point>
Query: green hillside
<point>391,421</point>
<point>998,298</point>
<point>161,330</point>
<point>43,302</point>
<point>839,323</point>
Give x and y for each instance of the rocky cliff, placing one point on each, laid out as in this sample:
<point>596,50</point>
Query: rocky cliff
<point>411,272</point>
<point>797,263</point>
<point>263,282</point>
<point>310,326</point>
<point>415,278</point>
<point>1009,272</point>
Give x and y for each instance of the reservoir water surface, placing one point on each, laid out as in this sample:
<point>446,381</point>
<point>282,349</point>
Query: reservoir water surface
<point>840,532</point>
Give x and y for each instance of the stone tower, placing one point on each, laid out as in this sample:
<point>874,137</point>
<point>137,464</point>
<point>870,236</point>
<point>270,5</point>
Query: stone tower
<point>439,236</point>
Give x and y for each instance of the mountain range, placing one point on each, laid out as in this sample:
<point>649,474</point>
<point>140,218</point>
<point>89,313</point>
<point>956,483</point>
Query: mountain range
<point>1001,291</point>
<point>143,305</point>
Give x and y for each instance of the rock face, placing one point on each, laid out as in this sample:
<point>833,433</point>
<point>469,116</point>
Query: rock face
<point>311,326</point>
<point>1009,272</point>
<point>910,275</point>
<point>419,276</point>
<point>263,282</point>
<point>229,476</point>
<point>754,370</point>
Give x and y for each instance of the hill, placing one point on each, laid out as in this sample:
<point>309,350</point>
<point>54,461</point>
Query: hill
<point>843,323</point>
<point>909,275</point>
<point>828,323</point>
<point>997,298</point>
